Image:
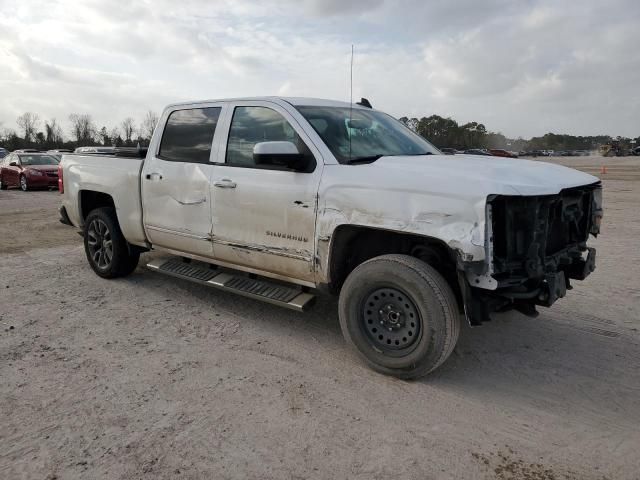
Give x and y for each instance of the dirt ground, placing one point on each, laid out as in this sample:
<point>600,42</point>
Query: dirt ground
<point>154,378</point>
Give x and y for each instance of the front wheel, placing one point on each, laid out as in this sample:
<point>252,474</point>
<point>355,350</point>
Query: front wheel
<point>400,315</point>
<point>3,186</point>
<point>24,186</point>
<point>107,250</point>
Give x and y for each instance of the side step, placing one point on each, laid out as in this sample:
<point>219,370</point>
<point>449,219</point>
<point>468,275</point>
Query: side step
<point>259,289</point>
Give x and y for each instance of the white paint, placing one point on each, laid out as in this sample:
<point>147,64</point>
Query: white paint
<point>275,148</point>
<point>271,221</point>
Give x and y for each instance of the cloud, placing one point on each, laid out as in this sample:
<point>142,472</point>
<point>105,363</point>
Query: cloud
<point>521,67</point>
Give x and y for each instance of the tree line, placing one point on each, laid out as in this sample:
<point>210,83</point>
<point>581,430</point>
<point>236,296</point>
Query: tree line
<point>441,131</point>
<point>47,135</point>
<point>446,132</point>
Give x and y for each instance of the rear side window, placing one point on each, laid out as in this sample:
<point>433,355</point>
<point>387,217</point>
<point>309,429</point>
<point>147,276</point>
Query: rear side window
<point>188,135</point>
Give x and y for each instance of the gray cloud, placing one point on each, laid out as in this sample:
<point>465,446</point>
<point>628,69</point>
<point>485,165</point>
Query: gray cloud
<point>524,67</point>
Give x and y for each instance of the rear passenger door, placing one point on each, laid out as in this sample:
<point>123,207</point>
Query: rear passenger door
<point>176,194</point>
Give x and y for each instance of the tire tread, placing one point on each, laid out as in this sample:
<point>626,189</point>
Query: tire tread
<point>446,301</point>
<point>124,261</point>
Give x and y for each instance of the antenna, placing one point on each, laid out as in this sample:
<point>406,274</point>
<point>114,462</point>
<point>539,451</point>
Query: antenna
<point>351,73</point>
<point>350,102</point>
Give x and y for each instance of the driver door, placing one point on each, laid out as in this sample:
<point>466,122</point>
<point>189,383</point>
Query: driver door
<point>264,215</point>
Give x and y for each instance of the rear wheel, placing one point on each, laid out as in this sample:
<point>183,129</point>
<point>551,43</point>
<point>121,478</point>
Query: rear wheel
<point>3,186</point>
<point>24,186</point>
<point>400,315</point>
<point>107,250</point>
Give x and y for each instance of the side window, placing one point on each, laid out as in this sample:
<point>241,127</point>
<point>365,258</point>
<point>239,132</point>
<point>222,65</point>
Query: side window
<point>188,135</point>
<point>251,125</point>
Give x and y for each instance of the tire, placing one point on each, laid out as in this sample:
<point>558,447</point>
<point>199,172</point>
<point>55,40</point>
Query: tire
<point>106,248</point>
<point>3,186</point>
<point>400,315</point>
<point>24,186</point>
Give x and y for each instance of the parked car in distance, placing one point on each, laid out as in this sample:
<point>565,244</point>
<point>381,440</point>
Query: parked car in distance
<point>96,150</point>
<point>28,171</point>
<point>26,150</point>
<point>478,151</point>
<point>635,151</point>
<point>498,152</point>
<point>58,152</point>
<point>448,151</point>
<point>282,199</point>
<point>3,152</point>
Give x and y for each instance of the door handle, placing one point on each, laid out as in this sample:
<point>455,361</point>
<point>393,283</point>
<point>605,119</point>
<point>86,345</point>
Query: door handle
<point>192,202</point>
<point>154,176</point>
<point>225,183</point>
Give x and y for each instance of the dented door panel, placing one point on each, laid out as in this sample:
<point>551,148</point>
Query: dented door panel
<point>176,195</point>
<point>267,220</point>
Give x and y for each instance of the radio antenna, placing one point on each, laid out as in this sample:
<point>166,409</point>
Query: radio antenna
<point>350,101</point>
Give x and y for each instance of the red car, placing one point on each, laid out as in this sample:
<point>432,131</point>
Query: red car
<point>498,152</point>
<point>28,171</point>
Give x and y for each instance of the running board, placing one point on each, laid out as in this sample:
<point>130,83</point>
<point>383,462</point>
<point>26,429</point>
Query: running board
<point>259,289</point>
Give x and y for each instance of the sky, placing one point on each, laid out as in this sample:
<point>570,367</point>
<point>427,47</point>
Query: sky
<point>521,67</point>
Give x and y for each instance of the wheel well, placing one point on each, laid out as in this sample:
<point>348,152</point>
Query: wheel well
<point>90,200</point>
<point>353,245</point>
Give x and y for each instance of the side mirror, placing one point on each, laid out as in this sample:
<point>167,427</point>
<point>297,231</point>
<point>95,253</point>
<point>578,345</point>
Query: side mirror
<point>13,164</point>
<point>279,153</point>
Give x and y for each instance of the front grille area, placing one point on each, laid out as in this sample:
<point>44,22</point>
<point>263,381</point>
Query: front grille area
<point>536,235</point>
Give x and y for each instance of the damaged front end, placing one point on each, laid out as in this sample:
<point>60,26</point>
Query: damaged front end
<point>535,246</point>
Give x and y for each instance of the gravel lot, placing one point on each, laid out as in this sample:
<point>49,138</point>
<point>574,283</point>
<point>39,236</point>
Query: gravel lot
<point>152,377</point>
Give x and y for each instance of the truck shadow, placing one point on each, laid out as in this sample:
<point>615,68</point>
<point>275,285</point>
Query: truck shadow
<point>553,362</point>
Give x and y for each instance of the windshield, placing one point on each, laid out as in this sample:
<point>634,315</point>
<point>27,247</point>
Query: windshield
<point>356,133</point>
<point>26,160</point>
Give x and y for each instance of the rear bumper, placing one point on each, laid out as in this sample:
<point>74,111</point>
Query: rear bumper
<point>42,181</point>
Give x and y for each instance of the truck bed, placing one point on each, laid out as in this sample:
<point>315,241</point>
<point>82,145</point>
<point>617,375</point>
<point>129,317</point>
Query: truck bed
<point>115,176</point>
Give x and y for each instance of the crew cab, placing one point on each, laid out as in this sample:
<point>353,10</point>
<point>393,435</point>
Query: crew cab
<point>282,199</point>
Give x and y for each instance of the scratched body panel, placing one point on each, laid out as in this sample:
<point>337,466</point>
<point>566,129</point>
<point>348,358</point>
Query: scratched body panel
<point>179,214</point>
<point>438,196</point>
<point>267,221</point>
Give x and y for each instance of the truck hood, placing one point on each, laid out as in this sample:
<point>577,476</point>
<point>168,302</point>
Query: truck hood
<point>485,175</point>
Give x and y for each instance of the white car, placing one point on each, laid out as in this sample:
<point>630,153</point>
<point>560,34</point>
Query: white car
<point>280,199</point>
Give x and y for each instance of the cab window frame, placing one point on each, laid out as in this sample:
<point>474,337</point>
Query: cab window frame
<point>313,163</point>
<point>219,120</point>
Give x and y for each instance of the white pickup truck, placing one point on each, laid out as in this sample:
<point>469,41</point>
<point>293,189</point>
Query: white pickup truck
<point>280,199</point>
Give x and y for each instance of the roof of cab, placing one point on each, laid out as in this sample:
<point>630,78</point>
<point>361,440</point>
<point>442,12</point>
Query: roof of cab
<point>295,101</point>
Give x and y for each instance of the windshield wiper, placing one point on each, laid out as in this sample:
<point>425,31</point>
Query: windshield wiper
<point>373,158</point>
<point>367,159</point>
